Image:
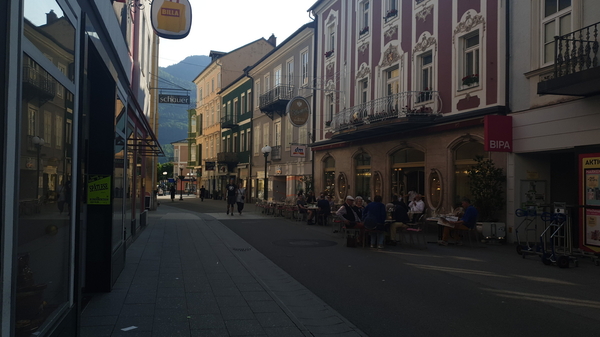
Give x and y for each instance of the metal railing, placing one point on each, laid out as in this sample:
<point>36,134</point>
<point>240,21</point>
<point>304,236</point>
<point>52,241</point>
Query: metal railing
<point>400,105</point>
<point>281,92</point>
<point>576,51</point>
<point>229,119</point>
<point>40,79</point>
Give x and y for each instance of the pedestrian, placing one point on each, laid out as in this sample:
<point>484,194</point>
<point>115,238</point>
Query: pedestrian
<point>231,193</point>
<point>374,218</point>
<point>173,191</point>
<point>202,191</point>
<point>240,198</point>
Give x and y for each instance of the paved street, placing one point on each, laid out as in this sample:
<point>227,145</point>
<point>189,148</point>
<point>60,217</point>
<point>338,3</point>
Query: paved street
<point>195,271</point>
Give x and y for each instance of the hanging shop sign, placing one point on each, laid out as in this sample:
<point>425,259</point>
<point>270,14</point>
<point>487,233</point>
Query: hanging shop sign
<point>171,19</point>
<point>98,190</point>
<point>298,109</point>
<point>209,165</point>
<point>589,173</point>
<point>498,133</point>
<point>298,151</point>
<point>173,99</point>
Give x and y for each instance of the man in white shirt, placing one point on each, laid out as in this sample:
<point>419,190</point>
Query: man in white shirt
<point>416,207</point>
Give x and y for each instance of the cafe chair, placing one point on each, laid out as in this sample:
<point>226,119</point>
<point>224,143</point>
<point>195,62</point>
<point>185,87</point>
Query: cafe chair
<point>417,230</point>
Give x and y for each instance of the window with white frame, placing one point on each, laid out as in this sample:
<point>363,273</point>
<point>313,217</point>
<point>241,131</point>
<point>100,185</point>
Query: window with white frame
<point>392,81</point>
<point>248,138</point>
<point>244,104</point>
<point>556,21</point>
<point>304,67</point>
<point>256,139</point>
<point>391,9</point>
<point>425,72</point>
<point>364,17</point>
<point>277,133</point>
<point>277,74</point>
<point>331,38</point>
<point>470,59</point>
<point>242,140</point>
<point>257,91</point>
<point>267,83</point>
<point>290,72</point>
<point>236,107</point>
<point>329,107</point>
<point>363,90</point>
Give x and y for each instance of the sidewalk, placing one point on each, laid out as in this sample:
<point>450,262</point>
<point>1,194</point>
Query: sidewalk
<point>188,275</point>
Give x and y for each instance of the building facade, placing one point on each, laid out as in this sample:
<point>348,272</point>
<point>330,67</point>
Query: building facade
<point>281,76</point>
<point>209,83</point>
<point>554,99</point>
<point>404,87</point>
<point>79,154</point>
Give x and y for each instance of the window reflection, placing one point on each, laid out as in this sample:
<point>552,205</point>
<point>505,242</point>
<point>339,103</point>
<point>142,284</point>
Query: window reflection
<point>50,31</point>
<point>44,199</point>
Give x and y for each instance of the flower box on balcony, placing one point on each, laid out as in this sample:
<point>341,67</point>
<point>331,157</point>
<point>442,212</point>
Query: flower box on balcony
<point>329,53</point>
<point>390,14</point>
<point>328,123</point>
<point>364,30</point>
<point>470,80</point>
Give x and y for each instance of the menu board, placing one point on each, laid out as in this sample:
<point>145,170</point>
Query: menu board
<point>592,227</point>
<point>592,188</point>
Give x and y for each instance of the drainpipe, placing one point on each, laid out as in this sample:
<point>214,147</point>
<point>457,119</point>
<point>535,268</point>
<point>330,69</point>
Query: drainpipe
<point>314,98</point>
<point>507,60</point>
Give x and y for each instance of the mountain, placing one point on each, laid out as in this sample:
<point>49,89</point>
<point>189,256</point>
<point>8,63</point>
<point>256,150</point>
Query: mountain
<point>173,118</point>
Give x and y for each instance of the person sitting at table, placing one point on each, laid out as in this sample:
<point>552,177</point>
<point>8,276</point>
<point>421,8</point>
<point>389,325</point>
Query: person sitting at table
<point>401,219</point>
<point>303,209</point>
<point>416,207</point>
<point>324,209</point>
<point>374,218</point>
<point>466,222</point>
<point>347,214</point>
<point>359,206</point>
<point>310,198</point>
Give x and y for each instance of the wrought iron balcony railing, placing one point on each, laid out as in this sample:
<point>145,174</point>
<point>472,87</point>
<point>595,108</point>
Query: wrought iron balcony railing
<point>229,121</point>
<point>576,51</point>
<point>417,105</point>
<point>41,81</point>
<point>279,93</point>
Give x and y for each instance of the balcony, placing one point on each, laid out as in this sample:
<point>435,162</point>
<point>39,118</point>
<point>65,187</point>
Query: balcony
<point>576,70</point>
<point>389,114</point>
<point>276,100</point>
<point>39,84</point>
<point>229,121</point>
<point>227,157</point>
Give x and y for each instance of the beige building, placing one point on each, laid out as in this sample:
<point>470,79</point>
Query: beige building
<point>223,69</point>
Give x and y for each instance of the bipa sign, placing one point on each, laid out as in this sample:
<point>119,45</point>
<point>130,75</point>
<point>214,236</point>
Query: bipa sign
<point>498,133</point>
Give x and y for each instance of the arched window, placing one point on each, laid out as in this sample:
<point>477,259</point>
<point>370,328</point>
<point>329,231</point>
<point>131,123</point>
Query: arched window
<point>464,158</point>
<point>363,175</point>
<point>329,175</point>
<point>408,174</point>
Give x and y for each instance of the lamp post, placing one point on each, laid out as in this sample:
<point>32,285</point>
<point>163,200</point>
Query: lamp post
<point>266,150</point>
<point>181,177</point>
<point>38,142</point>
<point>164,184</point>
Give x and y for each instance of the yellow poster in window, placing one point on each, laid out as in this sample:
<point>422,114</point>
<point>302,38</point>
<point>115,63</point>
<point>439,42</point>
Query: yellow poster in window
<point>171,17</point>
<point>98,190</point>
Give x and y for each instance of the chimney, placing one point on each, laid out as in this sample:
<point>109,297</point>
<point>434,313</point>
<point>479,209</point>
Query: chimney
<point>272,40</point>
<point>51,17</point>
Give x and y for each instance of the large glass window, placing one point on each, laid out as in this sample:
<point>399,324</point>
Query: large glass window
<point>470,60</point>
<point>464,158</point>
<point>45,190</point>
<point>329,175</point>
<point>407,172</point>
<point>363,175</point>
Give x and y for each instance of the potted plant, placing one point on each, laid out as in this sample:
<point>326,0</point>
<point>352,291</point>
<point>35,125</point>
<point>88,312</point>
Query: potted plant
<point>364,30</point>
<point>390,13</point>
<point>470,80</point>
<point>329,53</point>
<point>486,183</point>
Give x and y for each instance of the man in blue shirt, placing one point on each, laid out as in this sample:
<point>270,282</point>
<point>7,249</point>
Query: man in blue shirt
<point>466,222</point>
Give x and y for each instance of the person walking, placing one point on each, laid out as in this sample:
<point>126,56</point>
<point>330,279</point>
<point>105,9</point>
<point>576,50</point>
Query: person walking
<point>240,197</point>
<point>231,195</point>
<point>173,191</point>
<point>202,191</point>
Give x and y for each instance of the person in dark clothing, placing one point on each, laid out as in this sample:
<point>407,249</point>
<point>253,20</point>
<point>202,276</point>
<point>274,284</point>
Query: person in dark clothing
<point>374,218</point>
<point>310,198</point>
<point>231,195</point>
<point>202,192</point>
<point>324,208</point>
<point>401,218</point>
<point>348,215</point>
<point>172,191</point>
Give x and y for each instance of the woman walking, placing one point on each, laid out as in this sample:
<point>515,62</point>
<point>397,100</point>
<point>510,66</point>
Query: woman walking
<point>240,198</point>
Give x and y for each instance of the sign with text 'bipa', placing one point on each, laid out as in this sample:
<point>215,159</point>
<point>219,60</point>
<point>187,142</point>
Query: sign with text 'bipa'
<point>498,133</point>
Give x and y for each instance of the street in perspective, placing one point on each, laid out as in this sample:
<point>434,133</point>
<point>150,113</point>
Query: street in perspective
<point>197,271</point>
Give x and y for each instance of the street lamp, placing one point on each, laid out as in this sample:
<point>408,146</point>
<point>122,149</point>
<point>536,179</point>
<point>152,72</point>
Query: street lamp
<point>38,142</point>
<point>266,150</point>
<point>164,184</point>
<point>181,177</point>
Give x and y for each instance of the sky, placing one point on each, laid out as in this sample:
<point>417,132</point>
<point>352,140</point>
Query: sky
<point>225,25</point>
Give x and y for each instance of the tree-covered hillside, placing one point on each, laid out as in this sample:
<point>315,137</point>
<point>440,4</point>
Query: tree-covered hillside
<point>173,122</point>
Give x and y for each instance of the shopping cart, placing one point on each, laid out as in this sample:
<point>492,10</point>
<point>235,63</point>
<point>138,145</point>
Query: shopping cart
<point>527,225</point>
<point>556,241</point>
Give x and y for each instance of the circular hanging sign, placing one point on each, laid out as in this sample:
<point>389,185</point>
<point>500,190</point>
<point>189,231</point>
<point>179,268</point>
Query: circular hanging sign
<point>298,110</point>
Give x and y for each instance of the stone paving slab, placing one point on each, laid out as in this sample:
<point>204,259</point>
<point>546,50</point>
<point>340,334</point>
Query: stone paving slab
<point>189,275</point>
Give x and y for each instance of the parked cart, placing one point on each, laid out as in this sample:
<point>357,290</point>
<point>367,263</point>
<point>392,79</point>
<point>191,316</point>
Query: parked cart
<point>530,245</point>
<point>556,240</point>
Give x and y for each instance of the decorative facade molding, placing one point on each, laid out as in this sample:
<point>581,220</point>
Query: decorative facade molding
<point>468,24</point>
<point>390,56</point>
<point>390,32</point>
<point>424,44</point>
<point>330,65</point>
<point>363,71</point>
<point>330,86</point>
<point>363,47</point>
<point>424,13</point>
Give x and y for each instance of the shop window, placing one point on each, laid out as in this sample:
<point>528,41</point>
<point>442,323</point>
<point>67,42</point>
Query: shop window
<point>464,158</point>
<point>363,175</point>
<point>407,174</point>
<point>329,175</point>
